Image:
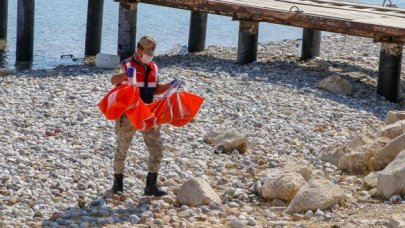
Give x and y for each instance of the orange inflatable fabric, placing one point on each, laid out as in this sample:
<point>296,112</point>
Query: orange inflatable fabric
<point>177,109</point>
<point>115,102</point>
<point>140,116</point>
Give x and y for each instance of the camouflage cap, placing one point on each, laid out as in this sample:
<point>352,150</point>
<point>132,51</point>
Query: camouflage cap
<point>148,44</point>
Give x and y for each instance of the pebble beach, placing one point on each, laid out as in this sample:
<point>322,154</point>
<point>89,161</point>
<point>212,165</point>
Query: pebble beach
<point>58,148</point>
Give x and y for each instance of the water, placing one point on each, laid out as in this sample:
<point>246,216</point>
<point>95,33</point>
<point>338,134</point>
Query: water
<point>60,28</point>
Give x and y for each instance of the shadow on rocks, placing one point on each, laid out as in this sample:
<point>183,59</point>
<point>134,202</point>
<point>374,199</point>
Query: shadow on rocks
<point>286,70</point>
<point>64,71</point>
<point>98,213</point>
<point>292,72</point>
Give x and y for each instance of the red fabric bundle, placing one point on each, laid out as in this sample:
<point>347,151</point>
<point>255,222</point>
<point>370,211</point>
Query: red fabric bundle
<point>176,109</point>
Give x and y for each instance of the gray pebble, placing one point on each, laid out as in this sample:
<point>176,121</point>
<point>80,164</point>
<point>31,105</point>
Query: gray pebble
<point>319,213</point>
<point>251,221</point>
<point>309,214</point>
<point>396,199</point>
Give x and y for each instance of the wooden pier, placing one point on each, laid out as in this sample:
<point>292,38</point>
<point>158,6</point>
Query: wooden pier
<point>385,24</point>
<point>3,19</point>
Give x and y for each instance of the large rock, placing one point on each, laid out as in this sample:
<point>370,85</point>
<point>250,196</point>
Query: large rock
<point>355,162</point>
<point>334,153</point>
<point>302,169</point>
<point>282,186</point>
<point>337,85</point>
<point>394,116</point>
<point>394,130</point>
<point>227,140</point>
<point>391,180</point>
<point>387,154</point>
<point>370,181</point>
<point>317,193</point>
<point>358,160</point>
<point>196,192</point>
<point>397,221</point>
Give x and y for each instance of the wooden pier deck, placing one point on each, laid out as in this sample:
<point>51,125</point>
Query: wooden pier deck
<point>385,24</point>
<point>380,23</point>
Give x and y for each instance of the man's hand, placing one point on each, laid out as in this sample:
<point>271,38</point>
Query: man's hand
<point>118,78</point>
<point>161,88</point>
<point>176,83</point>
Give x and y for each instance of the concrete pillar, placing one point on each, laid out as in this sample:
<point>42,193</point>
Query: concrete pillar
<point>311,43</point>
<point>25,30</point>
<point>390,71</point>
<point>127,29</point>
<point>247,43</point>
<point>3,19</point>
<point>198,30</point>
<point>94,27</point>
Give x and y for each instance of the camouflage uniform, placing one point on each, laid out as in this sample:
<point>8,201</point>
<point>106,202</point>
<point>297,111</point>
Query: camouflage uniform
<point>125,132</point>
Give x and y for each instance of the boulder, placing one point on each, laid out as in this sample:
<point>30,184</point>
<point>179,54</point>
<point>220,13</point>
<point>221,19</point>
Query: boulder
<point>317,193</point>
<point>358,160</point>
<point>336,85</point>
<point>196,192</point>
<point>370,181</point>
<point>334,153</point>
<point>394,116</point>
<point>387,154</point>
<point>364,139</point>
<point>394,130</point>
<point>355,162</point>
<point>282,186</point>
<point>391,180</point>
<point>227,140</point>
<point>397,221</point>
<point>302,169</point>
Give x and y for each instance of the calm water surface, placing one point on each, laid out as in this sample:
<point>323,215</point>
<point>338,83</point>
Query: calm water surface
<point>60,28</point>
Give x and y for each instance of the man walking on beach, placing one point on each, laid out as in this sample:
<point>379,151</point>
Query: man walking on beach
<point>148,83</point>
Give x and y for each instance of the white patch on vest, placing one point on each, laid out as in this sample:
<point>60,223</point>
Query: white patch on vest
<point>150,84</point>
<point>134,77</point>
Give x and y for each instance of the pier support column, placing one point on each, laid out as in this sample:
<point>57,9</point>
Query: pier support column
<point>127,28</point>
<point>311,43</point>
<point>25,30</point>
<point>198,31</point>
<point>2,57</point>
<point>390,70</point>
<point>3,19</point>
<point>247,43</point>
<point>94,27</point>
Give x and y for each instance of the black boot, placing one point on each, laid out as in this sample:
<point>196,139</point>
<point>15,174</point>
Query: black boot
<point>118,185</point>
<point>151,189</point>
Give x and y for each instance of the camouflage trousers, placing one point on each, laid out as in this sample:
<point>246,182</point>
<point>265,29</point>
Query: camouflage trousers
<point>125,133</point>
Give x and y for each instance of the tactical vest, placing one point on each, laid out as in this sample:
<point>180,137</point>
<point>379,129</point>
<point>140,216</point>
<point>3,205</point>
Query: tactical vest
<point>146,77</point>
